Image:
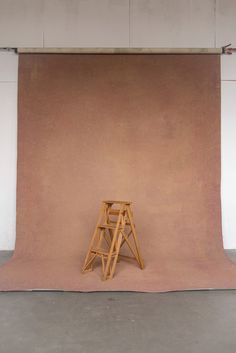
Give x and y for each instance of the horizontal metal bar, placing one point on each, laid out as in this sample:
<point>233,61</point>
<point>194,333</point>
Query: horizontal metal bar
<point>8,50</point>
<point>121,50</point>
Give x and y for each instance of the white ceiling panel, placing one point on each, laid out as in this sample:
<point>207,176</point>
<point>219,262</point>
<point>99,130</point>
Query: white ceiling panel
<point>172,23</point>
<point>225,22</point>
<point>86,23</point>
<point>21,23</point>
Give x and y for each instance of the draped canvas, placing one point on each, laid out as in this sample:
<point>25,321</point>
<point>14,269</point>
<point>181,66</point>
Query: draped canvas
<point>144,128</point>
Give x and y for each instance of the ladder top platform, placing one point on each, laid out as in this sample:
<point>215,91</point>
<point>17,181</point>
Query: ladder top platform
<point>118,202</point>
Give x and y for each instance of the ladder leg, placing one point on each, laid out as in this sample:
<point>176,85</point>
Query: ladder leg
<point>103,264</point>
<point>108,222</point>
<point>93,256</point>
<point>112,248</point>
<point>89,263</point>
<point>130,247</point>
<point>95,234</point>
<point>116,255</point>
<point>141,263</point>
<point>118,243</point>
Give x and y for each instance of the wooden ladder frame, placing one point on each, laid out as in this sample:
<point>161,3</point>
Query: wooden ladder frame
<point>114,234</point>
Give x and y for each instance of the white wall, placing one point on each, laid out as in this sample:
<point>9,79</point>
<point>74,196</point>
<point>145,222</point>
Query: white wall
<point>8,132</point>
<point>228,149</point>
<point>114,23</point>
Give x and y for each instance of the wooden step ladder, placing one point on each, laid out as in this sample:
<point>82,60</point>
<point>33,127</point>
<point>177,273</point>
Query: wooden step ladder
<point>115,227</point>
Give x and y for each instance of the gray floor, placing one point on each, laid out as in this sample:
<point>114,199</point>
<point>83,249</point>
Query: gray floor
<point>56,322</point>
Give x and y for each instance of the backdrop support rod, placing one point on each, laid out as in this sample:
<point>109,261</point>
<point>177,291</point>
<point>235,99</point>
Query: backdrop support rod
<point>227,49</point>
<point>120,50</point>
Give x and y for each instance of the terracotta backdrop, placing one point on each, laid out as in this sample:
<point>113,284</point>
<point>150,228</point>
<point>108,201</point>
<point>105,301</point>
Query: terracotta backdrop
<point>144,128</point>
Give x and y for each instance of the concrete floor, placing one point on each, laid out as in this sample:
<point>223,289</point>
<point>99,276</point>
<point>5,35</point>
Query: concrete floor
<point>105,322</point>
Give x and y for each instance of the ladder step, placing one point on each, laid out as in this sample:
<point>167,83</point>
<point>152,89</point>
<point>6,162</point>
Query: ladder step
<point>101,252</point>
<point>110,202</point>
<point>115,222</point>
<point>109,226</point>
<point>114,212</point>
